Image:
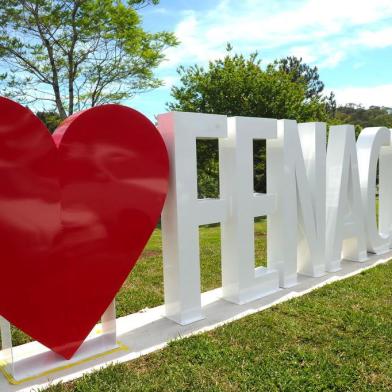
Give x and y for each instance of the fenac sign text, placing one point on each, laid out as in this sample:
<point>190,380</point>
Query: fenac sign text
<point>320,204</point>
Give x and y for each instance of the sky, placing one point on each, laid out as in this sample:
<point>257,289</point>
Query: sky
<point>350,41</point>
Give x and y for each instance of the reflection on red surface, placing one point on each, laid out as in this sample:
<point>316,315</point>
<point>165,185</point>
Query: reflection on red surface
<point>76,211</point>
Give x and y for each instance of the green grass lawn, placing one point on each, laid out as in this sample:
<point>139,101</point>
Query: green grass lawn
<point>144,286</point>
<point>337,338</point>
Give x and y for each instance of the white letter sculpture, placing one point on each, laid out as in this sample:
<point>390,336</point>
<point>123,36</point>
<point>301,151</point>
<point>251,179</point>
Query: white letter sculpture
<point>369,145</point>
<point>345,222</point>
<point>296,173</point>
<point>184,212</point>
<point>241,281</point>
<point>320,204</point>
<point>385,190</point>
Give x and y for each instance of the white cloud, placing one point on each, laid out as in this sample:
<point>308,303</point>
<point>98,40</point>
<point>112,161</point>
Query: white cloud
<point>193,48</point>
<point>320,31</point>
<point>333,60</point>
<point>308,55</point>
<point>376,39</point>
<point>158,10</point>
<point>376,95</point>
<point>323,54</point>
<point>169,81</point>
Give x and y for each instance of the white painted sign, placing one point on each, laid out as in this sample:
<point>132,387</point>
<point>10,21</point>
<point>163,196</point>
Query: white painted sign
<point>320,204</point>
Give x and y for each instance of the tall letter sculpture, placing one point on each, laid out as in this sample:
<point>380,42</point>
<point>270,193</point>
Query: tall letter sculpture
<point>184,213</point>
<point>345,233</point>
<point>241,282</point>
<point>369,145</point>
<point>296,173</point>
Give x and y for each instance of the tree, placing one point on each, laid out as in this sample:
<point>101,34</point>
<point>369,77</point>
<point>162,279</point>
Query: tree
<point>300,71</point>
<point>239,86</point>
<point>331,105</point>
<point>76,54</point>
<point>374,116</point>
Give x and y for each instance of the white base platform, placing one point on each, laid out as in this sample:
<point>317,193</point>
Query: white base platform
<point>149,330</point>
<point>33,359</point>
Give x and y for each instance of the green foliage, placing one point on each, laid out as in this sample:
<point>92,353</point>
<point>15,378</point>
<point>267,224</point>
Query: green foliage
<point>50,119</point>
<point>301,72</point>
<point>375,116</point>
<point>207,168</point>
<point>76,54</point>
<point>239,86</point>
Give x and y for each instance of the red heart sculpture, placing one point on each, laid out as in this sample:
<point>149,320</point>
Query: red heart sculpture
<point>76,211</point>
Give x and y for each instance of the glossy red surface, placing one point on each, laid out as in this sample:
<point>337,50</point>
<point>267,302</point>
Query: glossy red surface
<point>76,211</point>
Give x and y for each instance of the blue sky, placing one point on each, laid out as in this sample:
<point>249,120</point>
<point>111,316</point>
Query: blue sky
<point>349,40</point>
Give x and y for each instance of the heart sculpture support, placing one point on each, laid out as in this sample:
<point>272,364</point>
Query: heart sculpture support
<point>76,211</point>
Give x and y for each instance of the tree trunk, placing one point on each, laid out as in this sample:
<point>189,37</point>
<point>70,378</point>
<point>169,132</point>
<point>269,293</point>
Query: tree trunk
<point>49,48</point>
